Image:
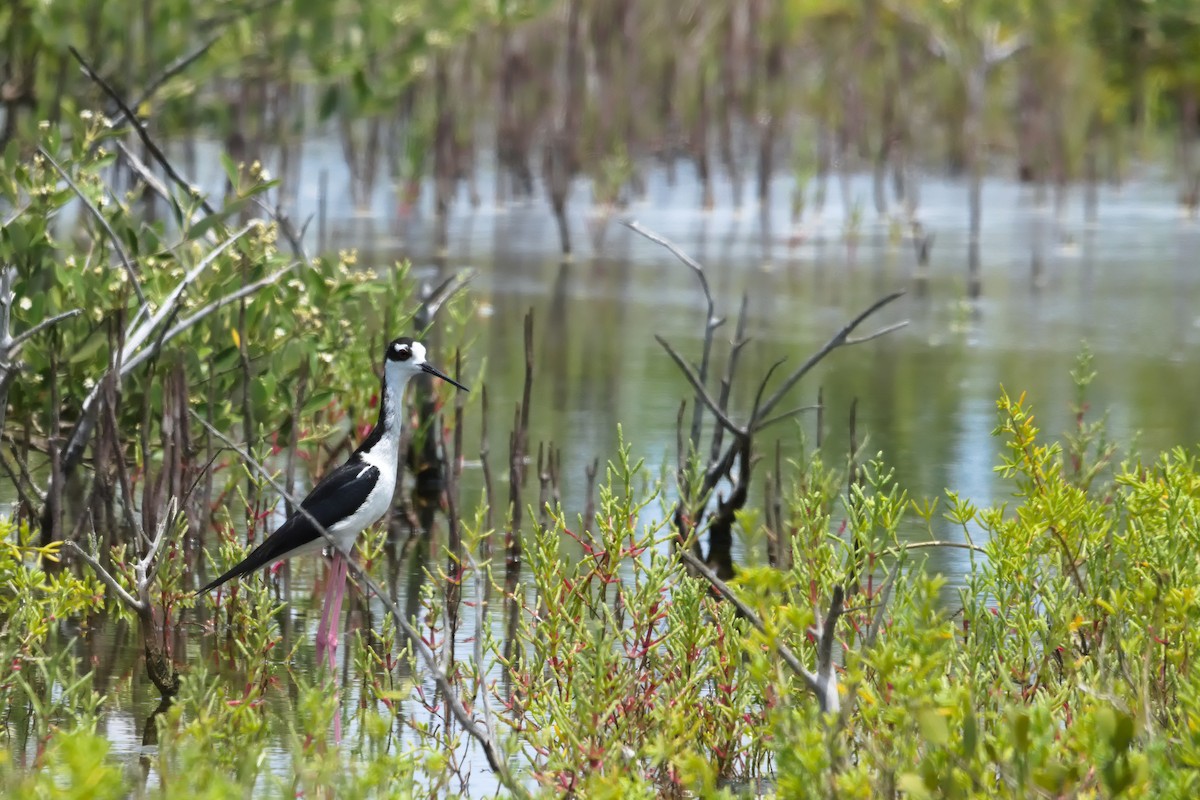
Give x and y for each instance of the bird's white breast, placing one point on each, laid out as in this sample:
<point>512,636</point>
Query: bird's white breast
<point>383,456</point>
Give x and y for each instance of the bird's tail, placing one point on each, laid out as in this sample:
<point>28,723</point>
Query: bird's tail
<point>259,557</point>
<point>236,572</point>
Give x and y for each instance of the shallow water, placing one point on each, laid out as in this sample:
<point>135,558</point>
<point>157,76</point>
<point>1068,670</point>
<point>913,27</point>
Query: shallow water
<point>926,394</point>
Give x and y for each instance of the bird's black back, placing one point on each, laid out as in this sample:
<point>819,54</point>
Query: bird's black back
<point>338,495</point>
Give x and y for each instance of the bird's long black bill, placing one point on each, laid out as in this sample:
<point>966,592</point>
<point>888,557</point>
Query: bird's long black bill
<point>439,374</point>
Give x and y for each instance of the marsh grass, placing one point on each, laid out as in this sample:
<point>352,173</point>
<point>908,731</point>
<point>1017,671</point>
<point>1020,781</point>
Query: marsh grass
<point>597,657</point>
<point>1055,673</point>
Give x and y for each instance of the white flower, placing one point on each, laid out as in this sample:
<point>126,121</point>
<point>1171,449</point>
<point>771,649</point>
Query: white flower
<point>326,358</point>
<point>280,333</point>
<point>89,383</point>
<point>26,304</point>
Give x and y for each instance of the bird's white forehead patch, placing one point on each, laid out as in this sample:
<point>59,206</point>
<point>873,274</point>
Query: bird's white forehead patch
<point>418,353</point>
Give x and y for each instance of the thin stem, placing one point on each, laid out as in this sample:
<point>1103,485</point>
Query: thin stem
<point>26,335</point>
<point>813,682</point>
<point>106,577</point>
<point>95,212</point>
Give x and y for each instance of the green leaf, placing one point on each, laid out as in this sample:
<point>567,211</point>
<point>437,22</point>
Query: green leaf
<point>970,734</point>
<point>317,401</point>
<point>1123,735</point>
<point>212,220</point>
<point>362,90</point>
<point>225,359</point>
<point>913,785</point>
<point>90,347</point>
<point>1021,731</point>
<point>231,168</point>
<point>933,726</point>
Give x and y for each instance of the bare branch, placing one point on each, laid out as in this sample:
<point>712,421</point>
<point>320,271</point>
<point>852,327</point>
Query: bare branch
<point>174,68</point>
<point>884,331</point>
<point>480,628</point>
<point>868,643</point>
<point>934,543</point>
<point>442,293</point>
<point>160,535</point>
<point>16,215</point>
<point>145,569</point>
<point>156,185</point>
<point>73,449</point>
<point>784,416</point>
<point>810,680</point>
<point>762,387</point>
<point>112,236</point>
<point>712,322</point>
<point>825,675</point>
<point>882,595</point>
<point>637,228</point>
<point>154,149</point>
<point>139,335</point>
<point>25,336</point>
<point>701,392</point>
<point>106,577</point>
<point>835,342</point>
<point>995,51</point>
<point>739,341</point>
<point>19,484</point>
<point>212,307</point>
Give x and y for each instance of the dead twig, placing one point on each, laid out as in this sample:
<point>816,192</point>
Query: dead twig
<point>28,334</point>
<point>839,339</point>
<point>138,128</point>
<point>174,68</point>
<point>711,323</point>
<point>822,683</point>
<point>100,218</point>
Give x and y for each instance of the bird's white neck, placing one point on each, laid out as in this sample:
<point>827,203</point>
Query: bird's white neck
<point>381,448</point>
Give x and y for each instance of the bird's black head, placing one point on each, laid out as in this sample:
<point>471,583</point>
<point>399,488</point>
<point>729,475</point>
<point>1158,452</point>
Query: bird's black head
<point>406,358</point>
<point>400,349</point>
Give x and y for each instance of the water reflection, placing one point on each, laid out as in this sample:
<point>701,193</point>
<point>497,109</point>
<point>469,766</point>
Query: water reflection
<point>926,394</point>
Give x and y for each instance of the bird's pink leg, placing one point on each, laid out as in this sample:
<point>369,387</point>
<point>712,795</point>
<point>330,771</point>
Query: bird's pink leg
<point>326,607</point>
<point>337,588</point>
<point>331,614</point>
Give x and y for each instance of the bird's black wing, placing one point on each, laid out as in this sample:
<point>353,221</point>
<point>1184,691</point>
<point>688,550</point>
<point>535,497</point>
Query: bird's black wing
<point>338,495</point>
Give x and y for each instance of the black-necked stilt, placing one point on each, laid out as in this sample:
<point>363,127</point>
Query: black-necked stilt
<point>349,499</point>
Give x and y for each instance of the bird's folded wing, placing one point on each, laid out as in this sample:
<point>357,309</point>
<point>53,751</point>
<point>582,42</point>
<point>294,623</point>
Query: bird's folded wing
<point>338,495</point>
